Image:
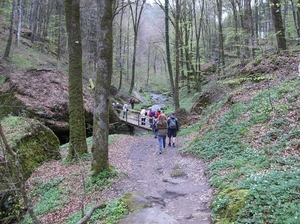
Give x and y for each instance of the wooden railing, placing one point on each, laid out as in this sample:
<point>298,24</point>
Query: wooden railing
<point>134,118</point>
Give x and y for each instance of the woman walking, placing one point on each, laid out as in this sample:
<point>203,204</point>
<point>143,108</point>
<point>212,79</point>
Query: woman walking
<point>162,128</point>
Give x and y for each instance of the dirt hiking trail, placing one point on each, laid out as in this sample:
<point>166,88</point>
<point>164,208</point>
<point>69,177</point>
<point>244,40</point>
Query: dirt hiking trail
<point>174,185</point>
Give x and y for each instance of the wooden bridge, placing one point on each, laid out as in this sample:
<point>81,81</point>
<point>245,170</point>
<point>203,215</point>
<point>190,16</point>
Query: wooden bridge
<point>133,118</point>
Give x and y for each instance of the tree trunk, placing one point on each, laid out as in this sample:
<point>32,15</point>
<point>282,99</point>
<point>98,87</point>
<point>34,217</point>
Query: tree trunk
<point>60,9</point>
<point>46,18</point>
<point>249,27</point>
<point>198,27</point>
<point>177,56</point>
<point>256,22</point>
<point>221,60</point>
<point>296,17</point>
<point>168,46</point>
<point>77,140</point>
<point>36,20</point>
<point>121,60</point>
<point>10,36</point>
<point>19,22</point>
<point>102,88</point>
<point>235,20</point>
<point>278,24</point>
<point>148,63</point>
<point>136,18</point>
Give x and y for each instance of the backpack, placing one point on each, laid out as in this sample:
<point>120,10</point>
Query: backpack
<point>154,125</point>
<point>172,123</point>
<point>132,100</point>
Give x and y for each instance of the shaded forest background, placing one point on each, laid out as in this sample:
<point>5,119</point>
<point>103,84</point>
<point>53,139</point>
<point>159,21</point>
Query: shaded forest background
<point>210,33</point>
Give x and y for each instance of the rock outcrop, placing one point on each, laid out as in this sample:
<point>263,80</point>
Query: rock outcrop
<point>41,94</point>
<point>31,140</point>
<point>33,144</point>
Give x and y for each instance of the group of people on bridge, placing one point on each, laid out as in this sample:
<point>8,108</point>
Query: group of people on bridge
<point>161,124</point>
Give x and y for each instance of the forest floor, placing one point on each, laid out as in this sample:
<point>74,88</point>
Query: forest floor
<point>174,184</point>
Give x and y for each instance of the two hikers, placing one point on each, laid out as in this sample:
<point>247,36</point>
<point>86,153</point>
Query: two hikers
<point>166,127</point>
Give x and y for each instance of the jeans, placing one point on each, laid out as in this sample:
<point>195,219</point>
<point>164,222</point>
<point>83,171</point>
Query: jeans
<point>161,142</point>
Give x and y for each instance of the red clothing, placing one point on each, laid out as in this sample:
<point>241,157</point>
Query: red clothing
<point>157,113</point>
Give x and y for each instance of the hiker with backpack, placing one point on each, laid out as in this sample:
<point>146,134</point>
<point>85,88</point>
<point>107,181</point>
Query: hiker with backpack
<point>154,129</point>
<point>132,101</point>
<point>162,130</point>
<point>173,127</point>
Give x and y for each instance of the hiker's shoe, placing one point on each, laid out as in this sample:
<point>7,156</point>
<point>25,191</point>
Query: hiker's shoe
<point>173,144</point>
<point>155,136</point>
<point>169,144</point>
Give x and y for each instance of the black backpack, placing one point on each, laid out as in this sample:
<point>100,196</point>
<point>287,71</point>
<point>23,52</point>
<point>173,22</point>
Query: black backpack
<point>172,123</point>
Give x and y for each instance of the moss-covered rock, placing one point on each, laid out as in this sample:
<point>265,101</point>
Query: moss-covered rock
<point>34,142</point>
<point>202,102</point>
<point>135,201</point>
<point>228,204</point>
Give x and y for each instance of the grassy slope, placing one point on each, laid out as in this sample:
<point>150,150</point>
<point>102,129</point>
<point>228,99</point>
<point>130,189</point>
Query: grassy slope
<point>251,141</point>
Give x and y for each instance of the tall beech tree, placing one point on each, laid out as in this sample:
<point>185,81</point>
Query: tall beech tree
<point>278,24</point>
<point>177,54</point>
<point>77,136</point>
<point>102,87</point>
<point>221,60</point>
<point>168,51</point>
<point>10,36</point>
<point>136,14</point>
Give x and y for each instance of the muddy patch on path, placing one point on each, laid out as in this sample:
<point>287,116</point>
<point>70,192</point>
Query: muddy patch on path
<point>174,187</point>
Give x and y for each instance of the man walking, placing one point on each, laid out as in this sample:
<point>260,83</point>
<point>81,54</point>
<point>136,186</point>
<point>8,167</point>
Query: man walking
<point>173,127</point>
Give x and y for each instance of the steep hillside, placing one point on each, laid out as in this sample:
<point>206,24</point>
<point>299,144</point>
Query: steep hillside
<point>250,138</point>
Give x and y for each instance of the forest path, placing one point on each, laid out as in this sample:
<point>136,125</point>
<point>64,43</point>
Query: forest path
<point>174,185</point>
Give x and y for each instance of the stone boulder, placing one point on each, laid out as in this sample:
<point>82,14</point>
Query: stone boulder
<point>202,102</point>
<point>34,144</point>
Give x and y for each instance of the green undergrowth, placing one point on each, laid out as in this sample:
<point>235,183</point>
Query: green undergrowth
<point>253,155</point>
<point>51,197</point>
<point>111,214</point>
<point>54,194</point>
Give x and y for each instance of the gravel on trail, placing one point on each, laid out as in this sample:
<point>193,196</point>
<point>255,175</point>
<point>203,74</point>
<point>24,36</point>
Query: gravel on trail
<point>174,184</point>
